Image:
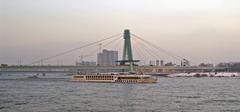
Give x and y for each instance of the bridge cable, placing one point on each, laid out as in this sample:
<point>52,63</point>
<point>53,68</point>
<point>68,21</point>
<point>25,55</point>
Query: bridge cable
<point>117,45</point>
<point>159,48</point>
<point>105,45</point>
<point>74,49</point>
<point>139,52</point>
<point>148,50</point>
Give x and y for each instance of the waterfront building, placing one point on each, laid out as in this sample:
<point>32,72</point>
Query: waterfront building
<point>185,62</point>
<point>107,58</point>
<point>86,63</point>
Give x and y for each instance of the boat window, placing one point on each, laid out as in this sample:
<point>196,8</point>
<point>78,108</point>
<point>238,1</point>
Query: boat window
<point>128,77</point>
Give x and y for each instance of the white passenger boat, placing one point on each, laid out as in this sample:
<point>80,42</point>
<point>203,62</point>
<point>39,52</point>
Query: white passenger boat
<point>106,78</point>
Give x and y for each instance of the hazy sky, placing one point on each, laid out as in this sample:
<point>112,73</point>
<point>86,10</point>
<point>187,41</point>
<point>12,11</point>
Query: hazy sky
<point>199,30</point>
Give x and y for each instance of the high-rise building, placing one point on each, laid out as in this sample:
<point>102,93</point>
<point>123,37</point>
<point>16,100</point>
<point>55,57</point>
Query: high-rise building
<point>162,63</point>
<point>107,58</point>
<point>157,62</point>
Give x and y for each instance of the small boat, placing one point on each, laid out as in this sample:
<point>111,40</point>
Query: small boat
<point>114,78</point>
<point>33,77</point>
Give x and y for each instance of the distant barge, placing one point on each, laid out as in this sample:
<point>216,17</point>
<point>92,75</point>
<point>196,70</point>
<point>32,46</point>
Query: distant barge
<point>106,78</point>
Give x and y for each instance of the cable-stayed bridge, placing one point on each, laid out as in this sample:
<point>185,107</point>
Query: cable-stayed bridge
<point>134,47</point>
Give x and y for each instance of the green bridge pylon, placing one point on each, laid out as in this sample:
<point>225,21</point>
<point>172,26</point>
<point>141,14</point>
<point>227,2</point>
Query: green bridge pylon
<point>127,50</point>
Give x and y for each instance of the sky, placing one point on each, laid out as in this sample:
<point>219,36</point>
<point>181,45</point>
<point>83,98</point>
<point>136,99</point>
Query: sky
<point>199,30</point>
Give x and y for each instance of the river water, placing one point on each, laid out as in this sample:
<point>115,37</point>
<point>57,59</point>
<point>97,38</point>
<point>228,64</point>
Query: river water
<point>54,94</point>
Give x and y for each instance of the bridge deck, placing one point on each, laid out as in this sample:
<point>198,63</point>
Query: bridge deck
<point>75,69</point>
